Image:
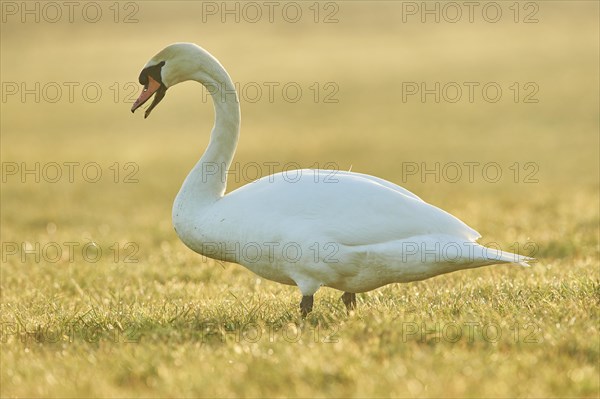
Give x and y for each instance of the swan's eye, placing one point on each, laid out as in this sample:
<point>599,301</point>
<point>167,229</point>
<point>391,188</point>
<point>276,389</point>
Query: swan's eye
<point>154,71</point>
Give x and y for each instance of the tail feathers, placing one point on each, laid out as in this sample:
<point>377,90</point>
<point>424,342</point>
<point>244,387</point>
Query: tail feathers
<point>498,256</point>
<point>521,260</point>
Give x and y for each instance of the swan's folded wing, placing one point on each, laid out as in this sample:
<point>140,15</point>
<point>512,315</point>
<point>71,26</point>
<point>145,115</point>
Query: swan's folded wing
<point>377,180</point>
<point>351,209</point>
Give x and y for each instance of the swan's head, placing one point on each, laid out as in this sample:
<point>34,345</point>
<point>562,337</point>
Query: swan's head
<point>174,64</point>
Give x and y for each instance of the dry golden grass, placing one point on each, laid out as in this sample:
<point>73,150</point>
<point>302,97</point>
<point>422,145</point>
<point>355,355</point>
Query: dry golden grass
<point>174,324</point>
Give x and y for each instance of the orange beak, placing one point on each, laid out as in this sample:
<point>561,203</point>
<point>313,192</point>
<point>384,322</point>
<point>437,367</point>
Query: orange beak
<point>150,89</point>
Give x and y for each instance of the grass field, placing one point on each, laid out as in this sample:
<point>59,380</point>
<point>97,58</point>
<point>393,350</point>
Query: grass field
<point>100,298</point>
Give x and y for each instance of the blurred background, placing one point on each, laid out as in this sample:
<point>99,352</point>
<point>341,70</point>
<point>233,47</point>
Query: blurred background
<point>363,70</point>
<point>488,110</point>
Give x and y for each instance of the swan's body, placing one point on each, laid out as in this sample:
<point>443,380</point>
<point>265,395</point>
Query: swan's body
<point>309,228</point>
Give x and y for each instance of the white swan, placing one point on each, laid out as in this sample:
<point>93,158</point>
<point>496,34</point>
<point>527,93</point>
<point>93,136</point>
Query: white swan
<point>348,231</point>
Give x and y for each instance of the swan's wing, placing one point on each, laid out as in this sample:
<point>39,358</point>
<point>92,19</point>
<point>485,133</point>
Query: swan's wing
<point>352,209</point>
<point>374,179</point>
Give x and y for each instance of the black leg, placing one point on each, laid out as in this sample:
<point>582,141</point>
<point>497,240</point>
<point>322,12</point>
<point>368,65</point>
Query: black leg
<point>349,299</point>
<point>306,305</point>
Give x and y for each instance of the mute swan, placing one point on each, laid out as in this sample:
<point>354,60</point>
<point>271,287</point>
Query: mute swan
<point>349,231</point>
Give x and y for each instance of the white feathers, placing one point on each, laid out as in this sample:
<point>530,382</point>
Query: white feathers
<point>345,230</point>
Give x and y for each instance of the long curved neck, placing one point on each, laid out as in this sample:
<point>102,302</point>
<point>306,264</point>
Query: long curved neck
<point>207,181</point>
<point>209,175</point>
